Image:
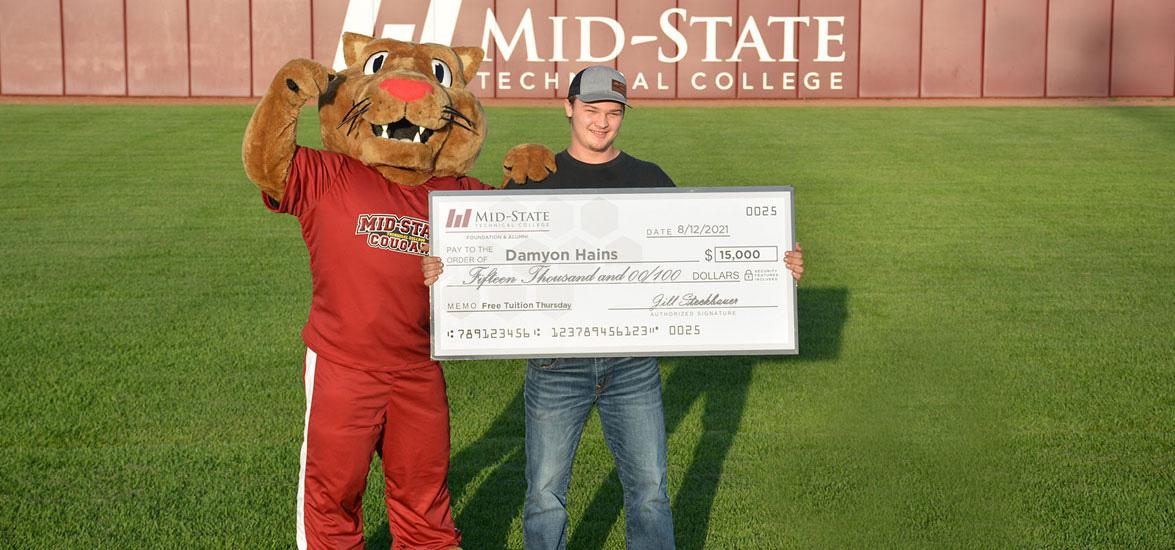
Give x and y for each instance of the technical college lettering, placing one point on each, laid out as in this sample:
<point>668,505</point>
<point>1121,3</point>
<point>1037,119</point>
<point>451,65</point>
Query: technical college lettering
<point>750,44</point>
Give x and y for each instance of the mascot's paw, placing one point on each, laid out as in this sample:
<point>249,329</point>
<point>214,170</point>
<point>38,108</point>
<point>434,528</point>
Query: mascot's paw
<point>528,161</point>
<point>301,80</point>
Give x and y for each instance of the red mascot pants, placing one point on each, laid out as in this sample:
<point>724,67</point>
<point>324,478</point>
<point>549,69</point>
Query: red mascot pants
<point>351,414</point>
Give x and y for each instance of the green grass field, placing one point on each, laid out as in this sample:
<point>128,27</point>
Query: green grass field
<point>987,337</point>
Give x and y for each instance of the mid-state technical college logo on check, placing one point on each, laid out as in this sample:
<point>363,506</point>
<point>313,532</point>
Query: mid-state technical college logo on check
<point>640,272</point>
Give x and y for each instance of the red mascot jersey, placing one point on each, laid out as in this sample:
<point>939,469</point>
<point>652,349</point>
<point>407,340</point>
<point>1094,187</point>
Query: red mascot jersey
<point>369,305</point>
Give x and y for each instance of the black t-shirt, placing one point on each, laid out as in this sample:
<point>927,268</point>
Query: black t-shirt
<point>624,171</point>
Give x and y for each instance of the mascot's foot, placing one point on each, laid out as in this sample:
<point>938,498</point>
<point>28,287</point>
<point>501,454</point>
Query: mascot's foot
<point>528,161</point>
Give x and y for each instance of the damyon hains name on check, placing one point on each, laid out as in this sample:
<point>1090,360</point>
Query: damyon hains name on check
<point>548,256</point>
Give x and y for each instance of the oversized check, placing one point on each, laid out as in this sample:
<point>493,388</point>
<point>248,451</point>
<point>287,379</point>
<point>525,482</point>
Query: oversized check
<point>634,272</point>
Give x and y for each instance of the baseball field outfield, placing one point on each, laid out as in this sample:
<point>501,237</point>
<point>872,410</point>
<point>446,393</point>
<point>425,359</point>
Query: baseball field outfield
<point>987,337</point>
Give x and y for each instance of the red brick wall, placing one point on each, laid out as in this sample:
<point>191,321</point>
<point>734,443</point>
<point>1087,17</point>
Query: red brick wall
<point>885,48</point>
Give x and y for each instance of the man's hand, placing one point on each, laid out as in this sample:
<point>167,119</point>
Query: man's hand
<point>432,267</point>
<point>794,260</point>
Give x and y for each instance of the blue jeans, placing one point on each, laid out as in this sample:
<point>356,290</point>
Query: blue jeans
<point>559,395</point>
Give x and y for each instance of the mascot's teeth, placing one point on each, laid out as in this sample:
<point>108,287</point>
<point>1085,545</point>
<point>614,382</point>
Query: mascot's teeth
<point>383,131</point>
<point>422,136</point>
<point>402,131</point>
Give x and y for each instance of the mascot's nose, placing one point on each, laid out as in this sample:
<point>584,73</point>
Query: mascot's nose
<point>404,89</point>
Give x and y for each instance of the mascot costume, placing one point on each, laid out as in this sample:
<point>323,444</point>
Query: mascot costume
<point>396,124</point>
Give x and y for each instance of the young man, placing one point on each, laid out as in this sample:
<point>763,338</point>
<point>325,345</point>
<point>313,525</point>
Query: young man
<point>559,393</point>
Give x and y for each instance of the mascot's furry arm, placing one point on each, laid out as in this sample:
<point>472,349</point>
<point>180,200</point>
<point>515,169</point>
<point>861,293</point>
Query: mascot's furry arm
<point>528,161</point>
<point>271,136</point>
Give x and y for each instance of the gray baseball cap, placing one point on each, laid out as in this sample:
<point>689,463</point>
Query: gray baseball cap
<point>599,83</point>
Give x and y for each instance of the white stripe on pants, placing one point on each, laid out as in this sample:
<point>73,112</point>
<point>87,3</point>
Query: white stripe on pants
<point>308,380</point>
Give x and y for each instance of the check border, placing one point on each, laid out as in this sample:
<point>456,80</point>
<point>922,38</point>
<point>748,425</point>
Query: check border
<point>624,191</point>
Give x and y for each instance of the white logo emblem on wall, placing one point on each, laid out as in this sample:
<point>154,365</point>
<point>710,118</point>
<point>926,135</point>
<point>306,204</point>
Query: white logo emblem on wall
<point>438,27</point>
<point>607,34</point>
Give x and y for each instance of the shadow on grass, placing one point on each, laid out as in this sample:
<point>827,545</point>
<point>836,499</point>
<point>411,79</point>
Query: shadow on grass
<point>822,315</point>
<point>488,515</point>
<point>1153,119</point>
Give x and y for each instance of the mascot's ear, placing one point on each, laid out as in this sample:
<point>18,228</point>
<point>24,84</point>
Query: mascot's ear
<point>353,45</point>
<point>470,60</point>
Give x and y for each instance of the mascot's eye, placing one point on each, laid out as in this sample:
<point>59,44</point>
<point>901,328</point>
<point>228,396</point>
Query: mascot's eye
<point>442,72</point>
<point>374,63</point>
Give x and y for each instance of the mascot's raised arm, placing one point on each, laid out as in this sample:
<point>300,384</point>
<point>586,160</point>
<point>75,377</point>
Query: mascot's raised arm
<point>397,123</point>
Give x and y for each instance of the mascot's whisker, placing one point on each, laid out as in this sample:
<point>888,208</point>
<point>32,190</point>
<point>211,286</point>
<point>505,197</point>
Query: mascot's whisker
<point>355,116</point>
<point>454,112</point>
<point>347,116</point>
<point>352,115</point>
<point>449,118</point>
<point>355,120</point>
<point>459,124</point>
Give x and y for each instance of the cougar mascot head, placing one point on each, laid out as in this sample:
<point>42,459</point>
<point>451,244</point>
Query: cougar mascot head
<point>400,108</point>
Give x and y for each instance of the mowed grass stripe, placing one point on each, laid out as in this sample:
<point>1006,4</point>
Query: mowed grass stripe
<point>986,352</point>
